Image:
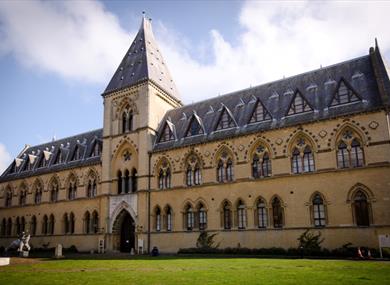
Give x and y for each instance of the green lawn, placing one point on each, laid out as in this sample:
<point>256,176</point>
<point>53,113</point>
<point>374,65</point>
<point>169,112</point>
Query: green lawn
<point>178,270</point>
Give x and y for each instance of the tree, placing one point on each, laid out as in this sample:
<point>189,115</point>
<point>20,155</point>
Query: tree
<point>309,241</point>
<point>206,241</point>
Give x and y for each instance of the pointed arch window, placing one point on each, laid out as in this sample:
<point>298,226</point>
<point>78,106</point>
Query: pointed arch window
<point>22,224</point>
<point>319,217</point>
<point>344,94</point>
<point>54,192</point>
<point>8,198</point>
<point>349,150</point>
<point>51,225</point>
<point>127,120</point>
<point>202,216</point>
<point>91,187</point>
<point>168,218</point>
<point>158,219</point>
<point>87,222</point>
<point>361,209</point>
<point>241,215</point>
<point>4,227</point>
<point>9,227</point>
<point>119,182</point>
<point>225,120</point>
<point>277,213</point>
<point>225,169</point>
<point>71,223</point>
<point>259,114</point>
<point>164,176</point>
<point>227,216</point>
<point>261,211</point>
<point>189,218</point>
<point>23,197</point>
<point>45,225</point>
<point>17,226</point>
<point>193,174</point>
<point>38,194</point>
<point>72,190</point>
<point>95,222</point>
<point>194,127</point>
<point>261,163</point>
<point>299,105</point>
<point>33,226</point>
<point>134,184</point>
<point>302,158</point>
<point>66,223</point>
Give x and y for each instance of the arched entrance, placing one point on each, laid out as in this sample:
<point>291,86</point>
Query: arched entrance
<point>123,230</point>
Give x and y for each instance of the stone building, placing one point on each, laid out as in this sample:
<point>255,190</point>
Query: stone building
<point>257,166</point>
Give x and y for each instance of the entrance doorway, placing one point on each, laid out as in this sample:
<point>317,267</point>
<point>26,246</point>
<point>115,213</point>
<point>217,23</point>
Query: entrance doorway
<point>127,234</point>
<point>123,232</point>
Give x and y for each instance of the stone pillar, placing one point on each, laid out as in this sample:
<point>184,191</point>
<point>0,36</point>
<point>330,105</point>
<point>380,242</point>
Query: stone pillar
<point>123,185</point>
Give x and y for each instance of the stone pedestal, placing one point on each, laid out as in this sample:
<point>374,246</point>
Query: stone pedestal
<point>4,261</point>
<point>58,251</point>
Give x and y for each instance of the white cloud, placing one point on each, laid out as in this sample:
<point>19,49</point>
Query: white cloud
<point>5,158</point>
<point>74,39</point>
<point>82,40</point>
<point>279,40</point>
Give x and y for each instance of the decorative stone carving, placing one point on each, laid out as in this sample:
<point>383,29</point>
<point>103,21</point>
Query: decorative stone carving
<point>207,154</point>
<point>279,141</point>
<point>322,133</point>
<point>241,147</point>
<point>373,125</point>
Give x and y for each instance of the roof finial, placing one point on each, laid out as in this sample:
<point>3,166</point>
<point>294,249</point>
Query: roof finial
<point>376,43</point>
<point>143,14</point>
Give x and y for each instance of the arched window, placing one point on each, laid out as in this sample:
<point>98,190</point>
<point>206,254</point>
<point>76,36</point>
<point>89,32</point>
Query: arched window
<point>134,184</point>
<point>38,194</point>
<point>95,222</point>
<point>193,175</point>
<point>164,176</point>
<point>124,122</point>
<point>9,227</point>
<point>277,213</point>
<point>227,216</point>
<point>22,224</point>
<point>45,225</point>
<point>33,226</point>
<point>225,168</point>
<point>72,191</point>
<point>241,215</point>
<point>361,209</point>
<point>302,159</point>
<point>130,120</point>
<point>71,223</point>
<point>17,224</point>
<point>349,150</point>
<point>4,227</point>
<point>168,218</point>
<point>261,164</point>
<point>51,225</point>
<point>8,198</point>
<point>54,192</point>
<point>119,182</point>
<point>158,219</point>
<point>66,223</point>
<point>126,181</point>
<point>190,218</point>
<point>23,197</point>
<point>87,223</point>
<point>202,217</point>
<point>91,188</point>
<point>319,217</point>
<point>261,212</point>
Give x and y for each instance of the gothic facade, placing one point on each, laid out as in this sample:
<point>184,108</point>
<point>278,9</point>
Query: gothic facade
<point>257,166</point>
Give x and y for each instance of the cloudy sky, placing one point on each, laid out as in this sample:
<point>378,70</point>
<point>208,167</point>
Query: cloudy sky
<point>56,58</point>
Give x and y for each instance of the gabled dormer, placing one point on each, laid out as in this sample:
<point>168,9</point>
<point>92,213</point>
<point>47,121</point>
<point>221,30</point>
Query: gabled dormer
<point>298,104</point>
<point>259,113</point>
<point>195,127</point>
<point>344,94</point>
<point>225,120</point>
<point>168,132</point>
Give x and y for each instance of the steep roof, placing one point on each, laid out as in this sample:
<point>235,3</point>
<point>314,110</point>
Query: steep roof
<point>143,61</point>
<point>317,87</point>
<point>85,142</point>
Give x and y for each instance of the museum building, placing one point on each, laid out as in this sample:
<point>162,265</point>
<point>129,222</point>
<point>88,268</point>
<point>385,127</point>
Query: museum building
<point>258,166</point>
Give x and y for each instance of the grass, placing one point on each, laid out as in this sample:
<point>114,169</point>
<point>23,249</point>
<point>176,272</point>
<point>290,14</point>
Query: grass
<point>199,270</point>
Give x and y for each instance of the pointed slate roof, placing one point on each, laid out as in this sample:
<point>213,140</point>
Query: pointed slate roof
<point>143,61</point>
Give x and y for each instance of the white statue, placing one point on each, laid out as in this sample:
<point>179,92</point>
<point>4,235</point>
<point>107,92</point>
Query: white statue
<point>20,243</point>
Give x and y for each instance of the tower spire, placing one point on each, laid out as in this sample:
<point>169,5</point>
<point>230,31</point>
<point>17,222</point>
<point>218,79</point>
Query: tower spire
<point>142,62</point>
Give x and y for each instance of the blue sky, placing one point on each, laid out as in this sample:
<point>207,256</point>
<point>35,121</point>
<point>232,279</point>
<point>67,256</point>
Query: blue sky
<point>56,57</point>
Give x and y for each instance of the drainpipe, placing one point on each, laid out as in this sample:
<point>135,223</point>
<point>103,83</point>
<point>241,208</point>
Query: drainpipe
<point>149,178</point>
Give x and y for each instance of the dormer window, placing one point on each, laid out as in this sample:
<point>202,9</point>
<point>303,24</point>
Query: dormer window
<point>259,114</point>
<point>299,105</point>
<point>96,149</point>
<point>42,161</point>
<point>167,133</point>
<point>194,128</point>
<point>59,157</point>
<point>344,94</point>
<point>225,120</point>
<point>76,154</point>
